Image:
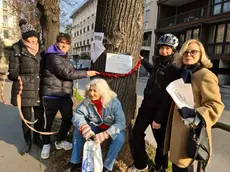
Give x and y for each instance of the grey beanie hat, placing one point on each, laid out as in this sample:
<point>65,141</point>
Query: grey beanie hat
<point>27,30</point>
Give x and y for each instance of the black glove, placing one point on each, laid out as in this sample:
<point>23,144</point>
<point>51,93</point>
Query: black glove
<point>186,112</point>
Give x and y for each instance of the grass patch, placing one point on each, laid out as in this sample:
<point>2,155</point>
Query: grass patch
<point>151,154</point>
<point>77,95</point>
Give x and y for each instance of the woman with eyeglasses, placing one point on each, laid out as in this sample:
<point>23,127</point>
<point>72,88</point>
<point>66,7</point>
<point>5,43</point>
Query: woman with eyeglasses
<point>194,65</point>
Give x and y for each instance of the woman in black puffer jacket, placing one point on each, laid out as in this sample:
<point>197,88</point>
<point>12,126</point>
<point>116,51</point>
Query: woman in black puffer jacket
<point>24,61</point>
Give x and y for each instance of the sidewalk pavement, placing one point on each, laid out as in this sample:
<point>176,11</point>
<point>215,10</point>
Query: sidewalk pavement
<point>11,142</point>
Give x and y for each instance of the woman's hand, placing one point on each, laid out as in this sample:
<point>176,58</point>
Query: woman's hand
<point>186,112</point>
<point>87,132</point>
<point>156,125</point>
<point>92,73</point>
<point>140,57</point>
<point>100,137</point>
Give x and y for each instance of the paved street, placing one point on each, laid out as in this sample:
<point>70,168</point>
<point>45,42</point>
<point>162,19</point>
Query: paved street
<point>11,139</point>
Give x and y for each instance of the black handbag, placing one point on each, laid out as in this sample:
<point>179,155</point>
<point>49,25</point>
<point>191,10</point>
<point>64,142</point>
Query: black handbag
<point>198,147</point>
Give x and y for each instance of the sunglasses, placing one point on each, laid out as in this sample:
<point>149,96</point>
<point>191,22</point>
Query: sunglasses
<point>191,52</point>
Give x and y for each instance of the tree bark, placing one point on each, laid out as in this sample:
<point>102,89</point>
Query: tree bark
<point>49,20</point>
<point>122,24</point>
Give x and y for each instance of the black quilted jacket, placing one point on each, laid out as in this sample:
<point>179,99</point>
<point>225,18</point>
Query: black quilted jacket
<point>58,75</point>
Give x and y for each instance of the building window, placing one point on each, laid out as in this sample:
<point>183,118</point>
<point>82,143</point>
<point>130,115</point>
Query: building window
<point>87,41</point>
<point>147,14</point>
<point>196,33</point>
<point>220,33</point>
<point>220,6</point>
<point>147,39</point>
<point>77,33</point>
<point>226,7</point>
<point>84,42</point>
<point>74,45</point>
<point>6,34</point>
<point>77,44</point>
<point>188,34</point>
<point>219,39</point>
<point>228,33</point>
<point>211,35</point>
<point>80,43</point>
<point>5,19</point>
<point>80,31</point>
<point>193,33</point>
<point>4,4</point>
<point>84,30</point>
<point>182,39</point>
<point>87,28</point>
<point>92,26</point>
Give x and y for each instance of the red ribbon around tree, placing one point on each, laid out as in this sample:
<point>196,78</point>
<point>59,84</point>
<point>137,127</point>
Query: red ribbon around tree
<point>117,75</point>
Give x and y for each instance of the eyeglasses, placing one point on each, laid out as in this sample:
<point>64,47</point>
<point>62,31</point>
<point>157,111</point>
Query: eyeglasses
<point>192,52</point>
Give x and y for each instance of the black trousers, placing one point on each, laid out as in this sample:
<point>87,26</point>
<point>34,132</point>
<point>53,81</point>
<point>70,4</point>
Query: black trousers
<point>38,114</point>
<point>51,107</point>
<point>178,169</point>
<point>144,119</point>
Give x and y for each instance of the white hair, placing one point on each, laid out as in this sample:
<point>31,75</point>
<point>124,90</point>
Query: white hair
<point>103,89</point>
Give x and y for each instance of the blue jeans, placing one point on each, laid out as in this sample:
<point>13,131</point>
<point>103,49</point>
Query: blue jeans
<point>114,147</point>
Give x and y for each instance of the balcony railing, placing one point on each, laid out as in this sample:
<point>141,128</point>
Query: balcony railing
<point>189,16</point>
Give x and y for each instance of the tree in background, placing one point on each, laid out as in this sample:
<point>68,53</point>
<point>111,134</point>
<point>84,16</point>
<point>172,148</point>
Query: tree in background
<point>25,9</point>
<point>50,14</point>
<point>122,24</point>
<point>49,20</point>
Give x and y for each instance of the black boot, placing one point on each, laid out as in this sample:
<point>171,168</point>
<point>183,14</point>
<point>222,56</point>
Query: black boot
<point>26,148</point>
<point>73,167</point>
<point>37,140</point>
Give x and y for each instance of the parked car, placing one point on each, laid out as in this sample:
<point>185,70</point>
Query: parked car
<point>73,63</point>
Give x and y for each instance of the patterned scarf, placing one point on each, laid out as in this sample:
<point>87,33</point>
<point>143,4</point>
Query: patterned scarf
<point>32,48</point>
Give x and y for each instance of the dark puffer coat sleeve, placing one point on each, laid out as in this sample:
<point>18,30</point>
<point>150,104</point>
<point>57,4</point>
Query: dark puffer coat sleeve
<point>13,66</point>
<point>148,66</point>
<point>66,70</point>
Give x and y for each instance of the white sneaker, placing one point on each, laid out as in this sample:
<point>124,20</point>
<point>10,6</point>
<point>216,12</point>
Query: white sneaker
<point>45,151</point>
<point>134,169</point>
<point>63,145</point>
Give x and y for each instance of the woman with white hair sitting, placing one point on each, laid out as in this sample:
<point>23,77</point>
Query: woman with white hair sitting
<point>99,116</point>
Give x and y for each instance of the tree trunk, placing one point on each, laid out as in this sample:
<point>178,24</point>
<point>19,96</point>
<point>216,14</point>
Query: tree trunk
<point>122,24</point>
<point>49,20</point>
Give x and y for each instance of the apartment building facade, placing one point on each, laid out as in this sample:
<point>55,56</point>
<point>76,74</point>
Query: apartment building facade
<point>206,20</point>
<point>83,26</point>
<point>8,30</point>
<point>8,24</point>
<point>148,43</point>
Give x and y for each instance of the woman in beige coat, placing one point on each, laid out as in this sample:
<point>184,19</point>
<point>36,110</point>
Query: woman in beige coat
<point>193,62</point>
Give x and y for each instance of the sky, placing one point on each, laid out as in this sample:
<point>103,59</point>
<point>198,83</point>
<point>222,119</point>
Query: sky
<point>67,8</point>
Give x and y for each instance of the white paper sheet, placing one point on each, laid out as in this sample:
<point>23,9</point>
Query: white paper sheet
<point>182,95</point>
<point>97,47</point>
<point>118,63</point>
